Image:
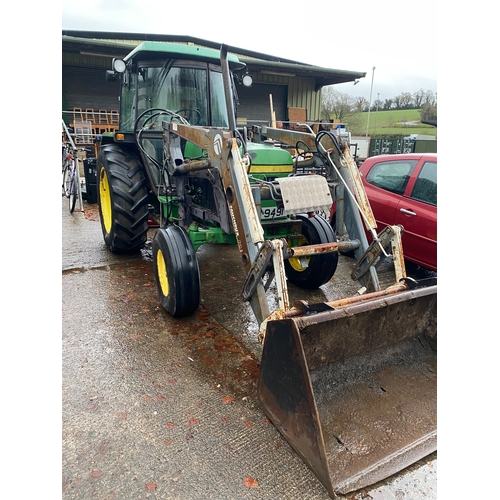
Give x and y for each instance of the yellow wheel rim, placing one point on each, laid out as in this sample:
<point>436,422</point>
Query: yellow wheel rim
<point>294,262</point>
<point>105,200</point>
<point>162,273</point>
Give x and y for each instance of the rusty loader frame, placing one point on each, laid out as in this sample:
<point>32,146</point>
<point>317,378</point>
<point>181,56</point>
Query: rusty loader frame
<point>350,383</point>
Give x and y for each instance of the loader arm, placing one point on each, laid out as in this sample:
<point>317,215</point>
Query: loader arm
<point>260,257</point>
<point>341,184</point>
<point>350,383</point>
<point>223,154</point>
<point>353,214</point>
<point>222,149</point>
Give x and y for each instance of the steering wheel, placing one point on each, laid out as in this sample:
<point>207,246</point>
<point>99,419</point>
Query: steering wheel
<point>149,121</point>
<point>192,115</point>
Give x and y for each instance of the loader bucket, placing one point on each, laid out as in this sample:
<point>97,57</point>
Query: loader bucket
<point>354,389</point>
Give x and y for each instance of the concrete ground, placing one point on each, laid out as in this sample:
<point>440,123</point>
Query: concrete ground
<point>161,408</point>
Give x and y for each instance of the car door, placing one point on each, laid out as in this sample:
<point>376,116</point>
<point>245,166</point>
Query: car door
<point>417,213</point>
<point>385,182</point>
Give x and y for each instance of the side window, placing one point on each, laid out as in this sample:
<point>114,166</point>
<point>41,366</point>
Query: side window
<point>425,188</point>
<point>391,175</point>
<point>218,100</point>
<point>127,103</point>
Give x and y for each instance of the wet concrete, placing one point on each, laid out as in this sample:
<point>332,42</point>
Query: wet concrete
<point>156,407</point>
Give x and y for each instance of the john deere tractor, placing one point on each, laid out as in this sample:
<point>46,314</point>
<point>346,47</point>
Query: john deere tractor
<point>166,163</point>
<point>350,383</point>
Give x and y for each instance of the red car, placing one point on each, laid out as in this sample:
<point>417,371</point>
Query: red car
<point>402,189</point>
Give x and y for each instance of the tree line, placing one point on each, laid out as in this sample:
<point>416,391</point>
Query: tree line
<point>335,104</point>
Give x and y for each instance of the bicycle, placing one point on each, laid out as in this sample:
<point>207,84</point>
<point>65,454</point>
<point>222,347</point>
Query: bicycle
<point>66,155</point>
<point>65,150</point>
<point>70,178</point>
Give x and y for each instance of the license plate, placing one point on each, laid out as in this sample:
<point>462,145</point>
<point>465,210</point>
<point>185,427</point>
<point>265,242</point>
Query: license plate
<point>271,212</point>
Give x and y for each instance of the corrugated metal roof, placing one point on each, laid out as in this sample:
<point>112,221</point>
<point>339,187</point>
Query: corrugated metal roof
<point>115,44</point>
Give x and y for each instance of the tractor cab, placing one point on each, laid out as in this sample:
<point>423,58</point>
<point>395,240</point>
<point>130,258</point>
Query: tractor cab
<point>169,82</point>
<point>183,79</point>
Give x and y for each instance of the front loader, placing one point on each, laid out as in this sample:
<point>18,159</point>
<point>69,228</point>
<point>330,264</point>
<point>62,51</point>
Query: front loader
<point>350,383</point>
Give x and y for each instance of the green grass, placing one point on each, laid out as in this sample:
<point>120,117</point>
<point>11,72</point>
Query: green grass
<point>389,123</point>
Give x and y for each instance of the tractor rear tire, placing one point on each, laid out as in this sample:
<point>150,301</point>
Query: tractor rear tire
<point>122,197</point>
<point>320,268</point>
<point>176,271</point>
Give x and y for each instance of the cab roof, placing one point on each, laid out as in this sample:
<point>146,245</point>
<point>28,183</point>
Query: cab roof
<point>157,50</point>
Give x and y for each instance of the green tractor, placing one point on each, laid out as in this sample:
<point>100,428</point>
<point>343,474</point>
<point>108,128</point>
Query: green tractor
<point>351,383</point>
<point>146,173</point>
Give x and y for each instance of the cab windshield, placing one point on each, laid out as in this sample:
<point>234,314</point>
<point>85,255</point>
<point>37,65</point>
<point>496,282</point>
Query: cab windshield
<point>193,90</point>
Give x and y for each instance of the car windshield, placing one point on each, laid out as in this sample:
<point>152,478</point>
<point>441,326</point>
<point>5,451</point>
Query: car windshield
<point>182,89</point>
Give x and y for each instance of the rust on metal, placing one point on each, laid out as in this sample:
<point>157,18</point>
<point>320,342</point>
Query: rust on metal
<point>228,181</point>
<point>397,252</point>
<point>301,307</point>
<point>353,389</point>
<point>356,299</point>
<point>193,166</point>
<point>348,162</point>
<point>290,137</point>
<point>305,250</point>
<point>390,235</point>
<point>280,274</point>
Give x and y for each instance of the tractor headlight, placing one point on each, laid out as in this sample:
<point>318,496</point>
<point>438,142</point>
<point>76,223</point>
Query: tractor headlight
<point>247,80</point>
<point>119,65</point>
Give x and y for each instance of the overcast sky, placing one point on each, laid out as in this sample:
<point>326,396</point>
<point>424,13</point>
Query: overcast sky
<point>398,38</point>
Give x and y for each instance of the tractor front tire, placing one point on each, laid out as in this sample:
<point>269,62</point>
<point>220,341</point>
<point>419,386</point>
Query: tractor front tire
<point>314,271</point>
<point>122,197</point>
<point>176,271</point>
